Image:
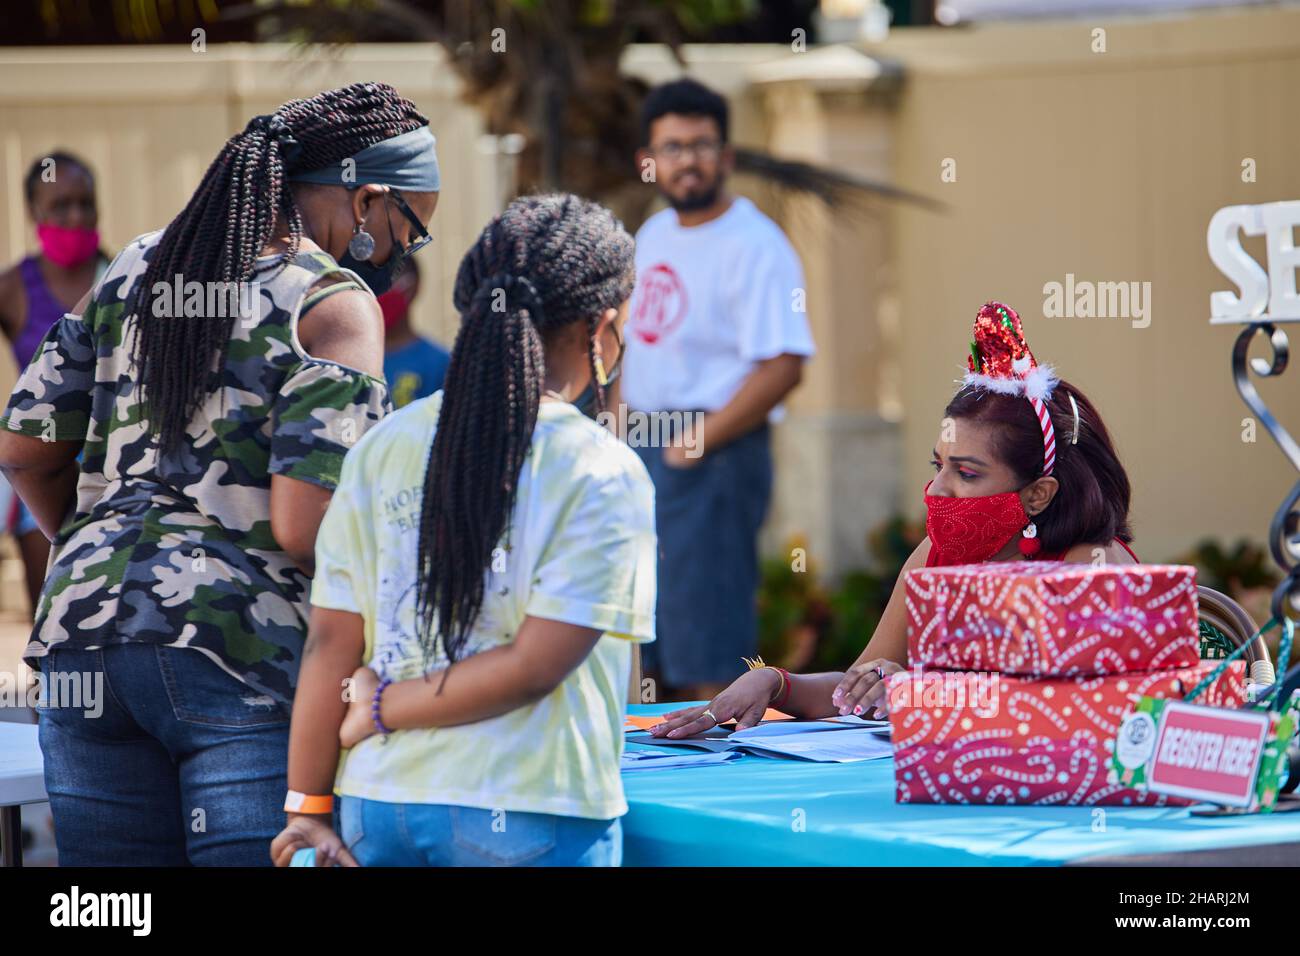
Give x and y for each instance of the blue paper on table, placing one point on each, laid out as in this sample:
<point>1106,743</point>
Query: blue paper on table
<point>659,760</point>
<point>787,728</point>
<point>822,741</point>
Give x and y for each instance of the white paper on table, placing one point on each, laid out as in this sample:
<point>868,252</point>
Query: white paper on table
<point>848,746</point>
<point>794,728</point>
<point>853,720</point>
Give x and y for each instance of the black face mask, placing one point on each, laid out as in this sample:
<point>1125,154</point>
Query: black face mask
<point>378,278</point>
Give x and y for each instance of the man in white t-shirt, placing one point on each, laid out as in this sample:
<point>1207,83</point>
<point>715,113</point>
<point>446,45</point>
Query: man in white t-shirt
<point>717,337</point>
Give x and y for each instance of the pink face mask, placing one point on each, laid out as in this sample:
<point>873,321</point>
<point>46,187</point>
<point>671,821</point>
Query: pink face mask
<point>67,247</point>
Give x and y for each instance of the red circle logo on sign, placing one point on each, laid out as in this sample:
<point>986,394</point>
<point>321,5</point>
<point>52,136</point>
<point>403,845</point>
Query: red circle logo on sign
<point>660,304</point>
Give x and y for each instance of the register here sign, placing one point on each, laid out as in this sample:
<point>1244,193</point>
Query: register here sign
<point>1203,753</point>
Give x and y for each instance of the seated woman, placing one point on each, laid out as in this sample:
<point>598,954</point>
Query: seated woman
<point>1003,490</point>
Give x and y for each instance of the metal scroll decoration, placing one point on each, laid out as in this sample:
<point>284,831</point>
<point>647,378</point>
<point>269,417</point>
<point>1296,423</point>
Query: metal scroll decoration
<point>1284,530</point>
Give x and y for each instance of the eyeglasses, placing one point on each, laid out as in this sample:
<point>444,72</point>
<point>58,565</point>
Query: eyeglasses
<point>423,237</point>
<point>704,148</point>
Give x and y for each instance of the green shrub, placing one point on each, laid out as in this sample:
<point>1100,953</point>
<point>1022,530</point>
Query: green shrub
<point>805,624</point>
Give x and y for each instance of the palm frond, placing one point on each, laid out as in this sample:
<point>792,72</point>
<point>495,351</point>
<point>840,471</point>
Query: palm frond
<point>560,86</point>
<point>833,187</point>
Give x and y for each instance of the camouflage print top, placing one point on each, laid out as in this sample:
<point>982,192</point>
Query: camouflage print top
<point>177,549</point>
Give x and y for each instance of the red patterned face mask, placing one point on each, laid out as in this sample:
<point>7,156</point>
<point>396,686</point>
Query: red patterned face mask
<point>970,530</point>
<point>393,304</point>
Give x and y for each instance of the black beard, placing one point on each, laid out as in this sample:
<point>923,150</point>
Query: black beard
<point>700,200</point>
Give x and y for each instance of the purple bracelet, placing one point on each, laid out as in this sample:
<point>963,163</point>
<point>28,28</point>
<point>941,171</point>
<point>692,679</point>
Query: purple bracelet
<point>374,706</point>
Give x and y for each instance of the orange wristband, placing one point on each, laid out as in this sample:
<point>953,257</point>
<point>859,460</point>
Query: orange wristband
<point>295,802</point>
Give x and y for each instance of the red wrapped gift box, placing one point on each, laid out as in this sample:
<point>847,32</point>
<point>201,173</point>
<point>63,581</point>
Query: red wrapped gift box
<point>1052,619</point>
<point>962,737</point>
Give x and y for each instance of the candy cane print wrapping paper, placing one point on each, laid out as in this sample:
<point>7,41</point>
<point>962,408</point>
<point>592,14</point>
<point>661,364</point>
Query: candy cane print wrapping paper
<point>1053,620</point>
<point>965,737</point>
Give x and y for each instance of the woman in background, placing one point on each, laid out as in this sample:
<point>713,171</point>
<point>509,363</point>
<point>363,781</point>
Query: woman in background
<point>34,293</point>
<point>414,366</point>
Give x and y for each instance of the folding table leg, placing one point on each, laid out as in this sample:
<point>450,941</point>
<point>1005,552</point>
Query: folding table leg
<point>11,836</point>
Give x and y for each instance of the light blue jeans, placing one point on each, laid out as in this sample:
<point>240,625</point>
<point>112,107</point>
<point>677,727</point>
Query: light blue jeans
<point>427,834</point>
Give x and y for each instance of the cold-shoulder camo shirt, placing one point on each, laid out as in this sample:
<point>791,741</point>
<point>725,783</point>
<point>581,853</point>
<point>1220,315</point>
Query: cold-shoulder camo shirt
<point>177,549</point>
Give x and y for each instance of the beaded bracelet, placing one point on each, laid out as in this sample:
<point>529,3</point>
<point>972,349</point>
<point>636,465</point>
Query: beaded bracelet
<point>374,706</point>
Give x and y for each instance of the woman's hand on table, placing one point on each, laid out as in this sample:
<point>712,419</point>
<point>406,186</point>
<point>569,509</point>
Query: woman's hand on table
<point>747,699</point>
<point>358,723</point>
<point>862,690</point>
<point>305,830</point>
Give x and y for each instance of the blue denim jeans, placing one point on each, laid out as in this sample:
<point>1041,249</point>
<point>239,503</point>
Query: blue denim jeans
<point>707,518</point>
<point>429,834</point>
<point>166,760</point>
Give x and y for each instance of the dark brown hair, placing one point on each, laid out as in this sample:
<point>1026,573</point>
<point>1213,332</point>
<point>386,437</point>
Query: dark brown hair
<point>1091,505</point>
<point>684,97</point>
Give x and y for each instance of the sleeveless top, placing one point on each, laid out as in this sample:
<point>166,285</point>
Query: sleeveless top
<point>177,549</point>
<point>1061,556</point>
<point>43,310</point>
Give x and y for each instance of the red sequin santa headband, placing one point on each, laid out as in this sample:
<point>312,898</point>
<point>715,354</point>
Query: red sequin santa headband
<point>1000,361</point>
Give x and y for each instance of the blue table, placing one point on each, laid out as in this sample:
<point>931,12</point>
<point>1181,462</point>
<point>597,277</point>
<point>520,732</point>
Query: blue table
<point>759,811</point>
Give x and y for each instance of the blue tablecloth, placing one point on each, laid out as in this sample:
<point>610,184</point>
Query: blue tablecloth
<point>760,811</point>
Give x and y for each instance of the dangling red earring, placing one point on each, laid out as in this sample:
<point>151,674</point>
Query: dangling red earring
<point>1029,543</point>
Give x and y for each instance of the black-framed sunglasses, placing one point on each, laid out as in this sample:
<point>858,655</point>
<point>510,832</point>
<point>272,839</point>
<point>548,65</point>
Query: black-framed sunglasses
<point>422,235</point>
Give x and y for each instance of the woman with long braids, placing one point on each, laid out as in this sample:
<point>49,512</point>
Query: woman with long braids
<point>485,565</point>
<point>215,376</point>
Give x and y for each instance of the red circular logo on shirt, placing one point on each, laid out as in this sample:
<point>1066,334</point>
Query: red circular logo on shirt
<point>660,304</point>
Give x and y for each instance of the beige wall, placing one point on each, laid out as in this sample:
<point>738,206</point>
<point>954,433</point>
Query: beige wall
<point>1107,166</point>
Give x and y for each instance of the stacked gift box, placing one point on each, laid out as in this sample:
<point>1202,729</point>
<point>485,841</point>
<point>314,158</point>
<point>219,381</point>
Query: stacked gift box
<point>1021,673</point>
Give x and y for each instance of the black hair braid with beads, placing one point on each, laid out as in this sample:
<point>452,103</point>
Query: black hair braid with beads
<point>229,220</point>
<point>545,263</point>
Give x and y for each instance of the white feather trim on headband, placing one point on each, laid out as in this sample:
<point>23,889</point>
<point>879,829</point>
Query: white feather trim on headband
<point>1039,383</point>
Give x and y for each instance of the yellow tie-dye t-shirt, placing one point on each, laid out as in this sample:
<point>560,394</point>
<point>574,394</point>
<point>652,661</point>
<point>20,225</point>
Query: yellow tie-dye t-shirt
<point>581,549</point>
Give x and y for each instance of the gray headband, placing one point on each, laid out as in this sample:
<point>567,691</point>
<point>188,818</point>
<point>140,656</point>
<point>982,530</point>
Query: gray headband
<point>408,161</point>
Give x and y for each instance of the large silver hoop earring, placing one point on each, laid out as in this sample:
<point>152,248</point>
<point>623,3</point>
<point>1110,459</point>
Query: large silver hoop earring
<point>362,244</point>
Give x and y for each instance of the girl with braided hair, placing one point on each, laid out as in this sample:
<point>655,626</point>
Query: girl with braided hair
<point>214,376</point>
<point>484,567</point>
